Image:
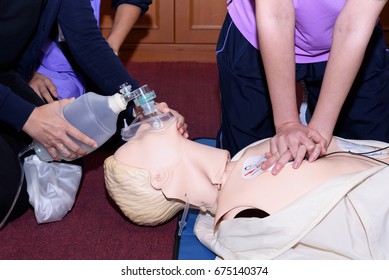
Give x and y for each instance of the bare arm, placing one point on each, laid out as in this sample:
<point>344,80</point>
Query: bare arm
<point>125,17</point>
<point>352,33</point>
<point>276,25</point>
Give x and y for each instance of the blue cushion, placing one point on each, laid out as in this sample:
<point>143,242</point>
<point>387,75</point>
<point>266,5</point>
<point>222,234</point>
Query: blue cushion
<point>188,246</point>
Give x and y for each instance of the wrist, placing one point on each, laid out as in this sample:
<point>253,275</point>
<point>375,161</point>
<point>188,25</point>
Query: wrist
<point>285,117</point>
<point>325,129</point>
<point>292,121</point>
<point>112,45</point>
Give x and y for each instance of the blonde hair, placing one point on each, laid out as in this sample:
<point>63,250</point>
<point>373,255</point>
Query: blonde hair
<point>130,188</point>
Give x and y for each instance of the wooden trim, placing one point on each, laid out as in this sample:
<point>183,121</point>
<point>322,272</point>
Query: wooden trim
<point>168,52</point>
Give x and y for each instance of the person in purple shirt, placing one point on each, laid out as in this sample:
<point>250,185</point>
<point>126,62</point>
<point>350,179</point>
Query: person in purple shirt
<point>57,77</point>
<point>336,48</point>
<point>24,115</point>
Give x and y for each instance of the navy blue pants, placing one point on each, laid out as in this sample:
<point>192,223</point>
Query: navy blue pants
<point>246,109</point>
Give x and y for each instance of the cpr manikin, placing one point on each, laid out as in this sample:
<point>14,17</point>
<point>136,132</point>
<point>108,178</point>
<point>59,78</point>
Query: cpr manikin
<point>333,208</point>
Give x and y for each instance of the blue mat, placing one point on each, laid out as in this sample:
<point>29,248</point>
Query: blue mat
<point>188,247</point>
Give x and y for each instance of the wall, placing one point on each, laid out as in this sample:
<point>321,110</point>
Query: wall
<point>172,30</point>
<point>179,30</point>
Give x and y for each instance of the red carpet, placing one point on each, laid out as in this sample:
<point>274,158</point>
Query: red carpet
<point>190,88</point>
<point>94,229</point>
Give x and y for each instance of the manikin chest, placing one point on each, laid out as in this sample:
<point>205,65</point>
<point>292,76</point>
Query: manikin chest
<point>248,186</point>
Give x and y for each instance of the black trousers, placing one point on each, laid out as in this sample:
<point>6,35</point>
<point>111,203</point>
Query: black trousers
<point>11,180</point>
<point>246,109</point>
<point>12,142</point>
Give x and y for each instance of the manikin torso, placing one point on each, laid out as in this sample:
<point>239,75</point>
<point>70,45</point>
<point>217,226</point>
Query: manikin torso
<point>242,190</point>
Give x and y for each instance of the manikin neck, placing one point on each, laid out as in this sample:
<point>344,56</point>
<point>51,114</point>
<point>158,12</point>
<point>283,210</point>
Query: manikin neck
<point>198,176</point>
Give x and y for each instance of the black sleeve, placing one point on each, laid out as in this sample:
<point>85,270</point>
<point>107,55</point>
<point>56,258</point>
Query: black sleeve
<point>89,49</point>
<point>143,4</point>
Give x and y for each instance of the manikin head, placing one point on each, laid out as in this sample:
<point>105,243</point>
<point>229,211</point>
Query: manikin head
<point>152,175</point>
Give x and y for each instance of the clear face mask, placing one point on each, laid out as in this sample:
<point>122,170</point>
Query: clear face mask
<point>147,116</point>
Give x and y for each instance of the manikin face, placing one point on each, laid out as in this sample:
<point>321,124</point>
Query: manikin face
<point>181,168</point>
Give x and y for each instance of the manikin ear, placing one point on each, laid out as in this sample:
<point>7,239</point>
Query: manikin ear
<point>160,179</point>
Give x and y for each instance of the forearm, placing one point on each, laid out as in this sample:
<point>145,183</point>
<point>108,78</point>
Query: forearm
<point>275,23</point>
<point>352,32</point>
<point>89,48</point>
<point>125,17</point>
